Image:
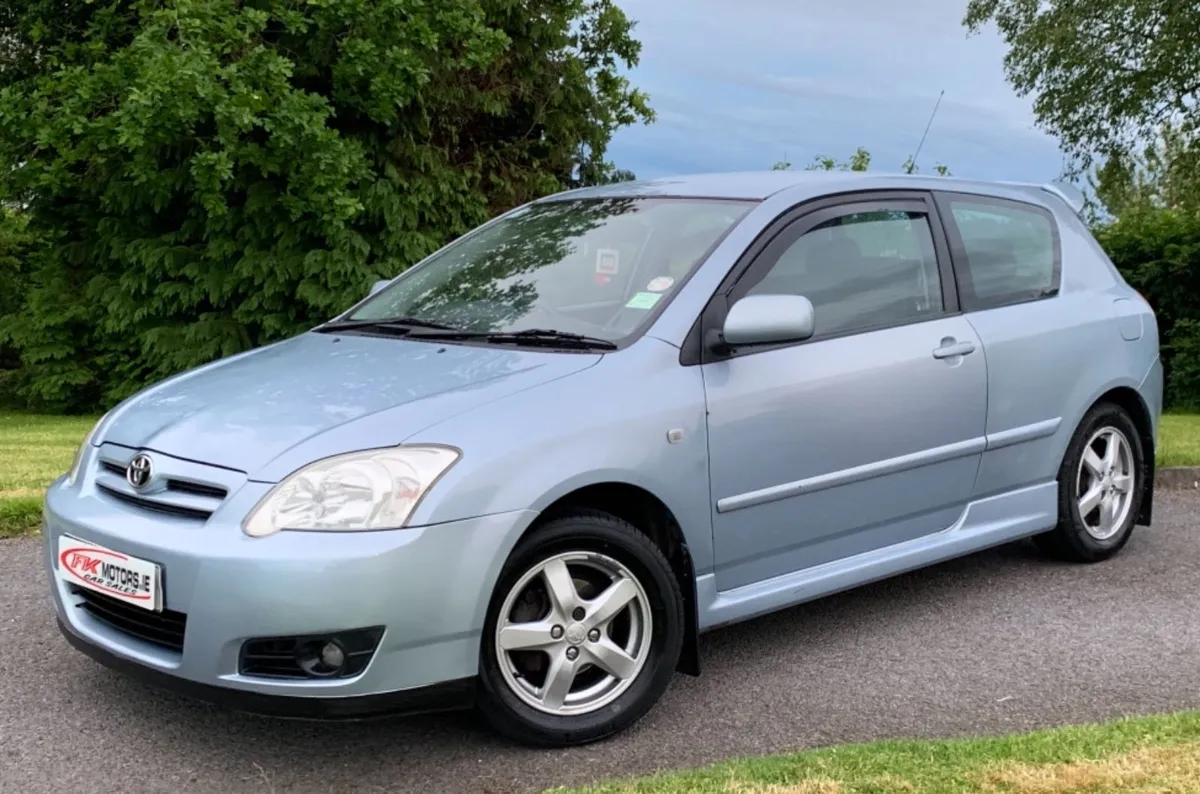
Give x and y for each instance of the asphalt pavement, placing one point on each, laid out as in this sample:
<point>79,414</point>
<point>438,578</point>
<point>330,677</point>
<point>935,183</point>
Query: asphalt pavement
<point>999,642</point>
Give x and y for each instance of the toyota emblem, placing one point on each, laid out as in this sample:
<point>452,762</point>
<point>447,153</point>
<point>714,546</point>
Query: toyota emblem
<point>139,470</point>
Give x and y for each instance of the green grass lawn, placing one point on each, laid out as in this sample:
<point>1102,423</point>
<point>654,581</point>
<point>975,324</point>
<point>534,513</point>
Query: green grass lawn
<point>1179,440</point>
<point>1148,755</point>
<point>35,449</point>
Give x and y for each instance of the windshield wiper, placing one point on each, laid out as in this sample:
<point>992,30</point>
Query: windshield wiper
<point>547,337</point>
<point>402,324</point>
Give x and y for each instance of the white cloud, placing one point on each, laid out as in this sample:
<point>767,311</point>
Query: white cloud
<point>737,83</point>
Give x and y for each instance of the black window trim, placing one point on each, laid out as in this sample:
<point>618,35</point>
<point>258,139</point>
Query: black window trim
<point>798,220</point>
<point>958,250</point>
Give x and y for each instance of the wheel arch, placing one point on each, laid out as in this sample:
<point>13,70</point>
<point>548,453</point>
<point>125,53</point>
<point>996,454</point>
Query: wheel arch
<point>650,515</point>
<point>1128,398</point>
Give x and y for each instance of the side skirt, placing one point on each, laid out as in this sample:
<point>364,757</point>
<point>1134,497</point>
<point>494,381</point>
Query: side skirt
<point>985,523</point>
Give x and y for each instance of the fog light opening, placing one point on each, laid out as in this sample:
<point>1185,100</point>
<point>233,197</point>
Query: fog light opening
<point>331,654</point>
<point>321,658</point>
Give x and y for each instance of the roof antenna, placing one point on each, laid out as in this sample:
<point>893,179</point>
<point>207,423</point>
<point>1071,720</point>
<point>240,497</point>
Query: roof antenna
<point>912,163</point>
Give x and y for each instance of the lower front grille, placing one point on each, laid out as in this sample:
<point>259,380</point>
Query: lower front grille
<point>298,657</point>
<point>164,629</point>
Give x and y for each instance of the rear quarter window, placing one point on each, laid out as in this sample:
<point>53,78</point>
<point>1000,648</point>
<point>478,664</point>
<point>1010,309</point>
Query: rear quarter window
<point>1008,252</point>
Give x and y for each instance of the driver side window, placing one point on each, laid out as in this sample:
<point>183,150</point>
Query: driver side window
<point>861,271</point>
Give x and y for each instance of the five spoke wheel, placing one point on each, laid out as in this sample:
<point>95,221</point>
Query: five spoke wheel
<point>1105,483</point>
<point>573,633</point>
<point>1101,487</point>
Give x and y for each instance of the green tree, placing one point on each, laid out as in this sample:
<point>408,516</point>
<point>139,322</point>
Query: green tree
<point>910,167</point>
<point>1105,74</point>
<point>210,175</point>
<point>1158,252</point>
<point>15,247</point>
<point>1146,215</point>
<point>859,161</point>
<point>1163,175</point>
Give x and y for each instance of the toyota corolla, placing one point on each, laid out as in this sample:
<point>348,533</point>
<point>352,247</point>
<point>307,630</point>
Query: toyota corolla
<point>529,471</point>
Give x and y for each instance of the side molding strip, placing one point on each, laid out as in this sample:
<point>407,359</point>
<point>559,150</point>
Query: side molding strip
<point>959,449</point>
<point>1019,435</point>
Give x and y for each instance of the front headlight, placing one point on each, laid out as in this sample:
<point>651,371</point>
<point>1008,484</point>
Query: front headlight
<point>376,489</point>
<point>77,462</point>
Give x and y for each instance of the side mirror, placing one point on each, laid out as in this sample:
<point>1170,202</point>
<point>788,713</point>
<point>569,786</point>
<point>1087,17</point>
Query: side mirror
<point>378,285</point>
<point>766,319</point>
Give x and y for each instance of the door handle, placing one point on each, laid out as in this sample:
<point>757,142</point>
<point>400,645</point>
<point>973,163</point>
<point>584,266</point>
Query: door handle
<point>950,348</point>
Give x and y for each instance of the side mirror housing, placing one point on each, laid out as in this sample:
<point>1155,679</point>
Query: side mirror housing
<point>378,285</point>
<point>768,319</point>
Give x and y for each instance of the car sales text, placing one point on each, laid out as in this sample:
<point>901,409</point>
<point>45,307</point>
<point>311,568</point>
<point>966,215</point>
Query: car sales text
<point>107,574</point>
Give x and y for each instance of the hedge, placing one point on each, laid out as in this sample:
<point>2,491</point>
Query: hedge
<point>1158,252</point>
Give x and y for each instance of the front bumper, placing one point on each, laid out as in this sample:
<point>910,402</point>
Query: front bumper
<point>428,587</point>
<point>444,696</point>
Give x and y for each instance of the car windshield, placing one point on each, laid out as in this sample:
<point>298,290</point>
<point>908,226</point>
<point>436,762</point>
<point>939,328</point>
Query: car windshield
<point>596,267</point>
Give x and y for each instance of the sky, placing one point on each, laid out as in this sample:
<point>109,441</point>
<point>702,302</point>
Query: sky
<point>742,84</point>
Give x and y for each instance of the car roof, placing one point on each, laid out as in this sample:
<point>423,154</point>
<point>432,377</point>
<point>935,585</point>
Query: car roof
<point>760,185</point>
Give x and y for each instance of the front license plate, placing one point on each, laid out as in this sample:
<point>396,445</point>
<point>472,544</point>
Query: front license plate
<point>120,576</point>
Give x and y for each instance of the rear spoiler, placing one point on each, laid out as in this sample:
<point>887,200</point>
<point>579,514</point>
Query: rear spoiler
<point>1069,194</point>
<point>1072,195</point>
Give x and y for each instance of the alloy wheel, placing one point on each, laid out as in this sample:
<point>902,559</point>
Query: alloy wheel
<point>1105,483</point>
<point>574,633</point>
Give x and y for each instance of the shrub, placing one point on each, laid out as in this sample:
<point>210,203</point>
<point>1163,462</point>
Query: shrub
<point>1158,252</point>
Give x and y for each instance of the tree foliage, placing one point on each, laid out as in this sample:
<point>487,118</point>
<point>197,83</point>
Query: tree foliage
<point>209,175</point>
<point>16,243</point>
<point>1148,220</point>
<point>1163,175</point>
<point>1105,74</point>
<point>1158,252</point>
<point>911,167</point>
<point>859,161</point>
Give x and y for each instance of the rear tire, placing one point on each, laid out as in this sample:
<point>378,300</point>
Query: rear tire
<point>558,666</point>
<point>1101,485</point>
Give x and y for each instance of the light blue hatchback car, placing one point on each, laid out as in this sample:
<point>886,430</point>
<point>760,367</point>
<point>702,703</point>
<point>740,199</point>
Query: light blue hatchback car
<point>529,471</point>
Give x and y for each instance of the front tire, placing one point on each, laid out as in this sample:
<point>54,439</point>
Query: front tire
<point>583,632</point>
<point>1101,484</point>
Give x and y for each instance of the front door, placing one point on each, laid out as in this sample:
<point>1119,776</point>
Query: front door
<point>869,433</point>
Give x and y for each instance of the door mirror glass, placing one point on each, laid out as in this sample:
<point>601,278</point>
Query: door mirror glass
<point>767,319</point>
<point>378,285</point>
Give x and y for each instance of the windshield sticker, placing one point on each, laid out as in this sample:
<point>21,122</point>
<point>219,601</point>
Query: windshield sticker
<point>608,261</point>
<point>643,300</point>
<point>660,284</point>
